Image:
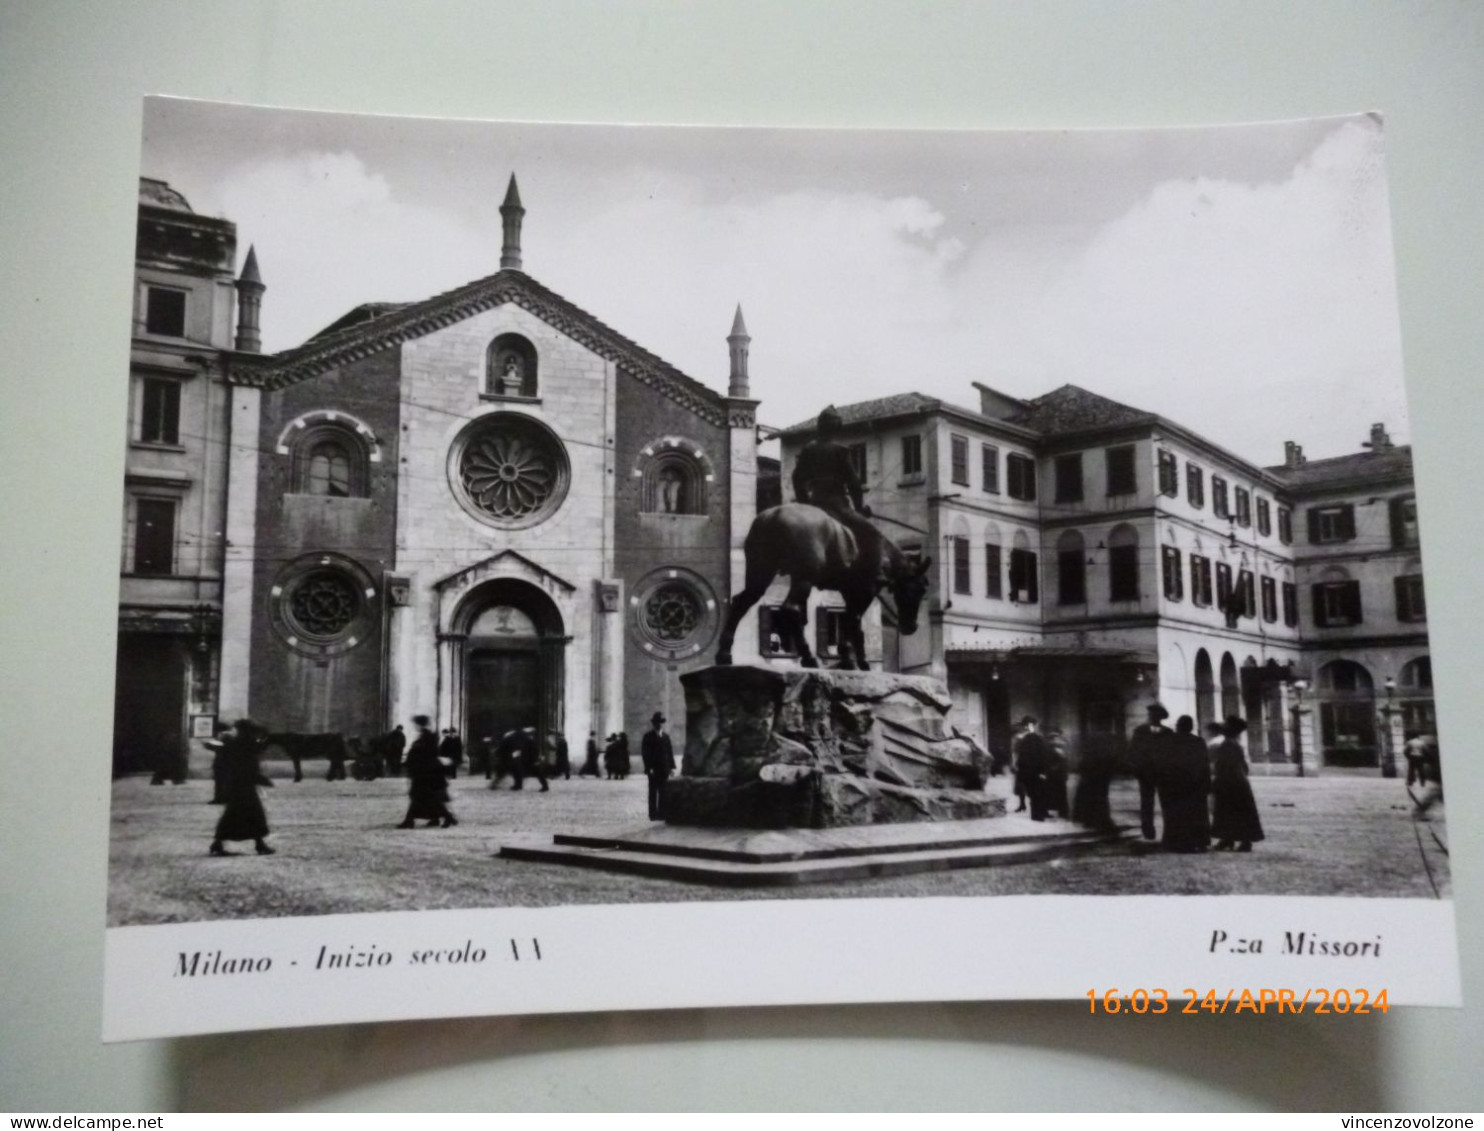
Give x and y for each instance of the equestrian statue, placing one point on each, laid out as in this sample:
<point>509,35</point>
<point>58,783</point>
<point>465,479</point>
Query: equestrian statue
<point>825,540</point>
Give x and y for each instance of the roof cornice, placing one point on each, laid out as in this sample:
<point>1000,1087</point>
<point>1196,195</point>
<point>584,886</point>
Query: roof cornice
<point>507,286</point>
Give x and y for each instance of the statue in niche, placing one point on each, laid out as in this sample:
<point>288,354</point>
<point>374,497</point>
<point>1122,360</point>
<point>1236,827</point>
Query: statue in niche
<point>671,483</point>
<point>512,376</point>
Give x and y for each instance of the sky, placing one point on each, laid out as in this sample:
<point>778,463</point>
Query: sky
<point>1238,280</point>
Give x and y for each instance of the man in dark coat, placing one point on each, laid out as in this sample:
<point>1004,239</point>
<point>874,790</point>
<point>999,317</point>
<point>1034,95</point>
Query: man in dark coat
<point>428,783</point>
<point>451,751</point>
<point>395,743</point>
<point>1183,790</point>
<point>563,763</point>
<point>527,762</point>
<point>1032,761</point>
<point>1149,751</point>
<point>658,755</point>
<point>243,816</point>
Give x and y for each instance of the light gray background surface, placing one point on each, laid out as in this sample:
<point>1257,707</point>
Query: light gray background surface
<point>71,80</point>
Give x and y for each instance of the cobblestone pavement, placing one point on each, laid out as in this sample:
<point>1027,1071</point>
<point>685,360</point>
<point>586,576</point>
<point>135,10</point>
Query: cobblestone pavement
<point>338,851</point>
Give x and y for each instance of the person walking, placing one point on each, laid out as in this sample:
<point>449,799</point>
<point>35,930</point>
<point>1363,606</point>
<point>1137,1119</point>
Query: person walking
<point>527,761</point>
<point>1149,752</point>
<point>451,751</point>
<point>395,743</point>
<point>623,761</point>
<point>1184,788</point>
<point>1234,819</point>
<point>427,789</point>
<point>658,755</point>
<point>243,816</point>
<point>1056,773</point>
<point>563,764</point>
<point>590,762</point>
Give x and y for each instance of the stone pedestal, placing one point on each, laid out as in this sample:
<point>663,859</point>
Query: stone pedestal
<point>772,747</point>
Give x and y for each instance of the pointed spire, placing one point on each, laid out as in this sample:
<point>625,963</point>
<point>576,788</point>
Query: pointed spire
<point>737,343</point>
<point>250,288</point>
<point>511,213</point>
<point>250,267</point>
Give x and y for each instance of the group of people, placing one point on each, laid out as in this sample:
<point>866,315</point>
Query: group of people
<point>1197,785</point>
<point>1200,784</point>
<point>429,763</point>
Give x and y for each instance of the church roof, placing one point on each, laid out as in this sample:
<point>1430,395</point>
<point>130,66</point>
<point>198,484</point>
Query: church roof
<point>1355,467</point>
<point>382,326</point>
<point>1072,408</point>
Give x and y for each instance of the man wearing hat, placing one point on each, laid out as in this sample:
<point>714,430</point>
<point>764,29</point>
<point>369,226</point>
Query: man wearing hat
<point>1149,750</point>
<point>658,756</point>
<point>1032,762</point>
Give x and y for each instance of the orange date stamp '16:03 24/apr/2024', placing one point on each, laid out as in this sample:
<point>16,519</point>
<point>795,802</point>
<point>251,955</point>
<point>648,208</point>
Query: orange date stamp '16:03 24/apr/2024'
<point>1266,999</point>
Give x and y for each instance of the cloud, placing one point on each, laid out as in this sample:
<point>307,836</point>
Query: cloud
<point>331,234</point>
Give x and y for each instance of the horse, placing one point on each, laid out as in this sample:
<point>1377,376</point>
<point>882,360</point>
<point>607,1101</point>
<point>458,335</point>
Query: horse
<point>300,747</point>
<point>819,551</point>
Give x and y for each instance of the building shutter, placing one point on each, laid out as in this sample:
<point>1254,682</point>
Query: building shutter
<point>1317,594</point>
<point>1347,522</point>
<point>1313,524</point>
<point>1352,598</point>
<point>1403,591</point>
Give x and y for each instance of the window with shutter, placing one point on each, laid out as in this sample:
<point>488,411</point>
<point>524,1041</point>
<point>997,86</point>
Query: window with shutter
<point>858,460</point>
<point>1337,604</point>
<point>961,567</point>
<point>911,456</point>
<point>994,585</point>
<point>1071,577</point>
<point>959,446</point>
<point>1246,594</point>
<point>1285,526</point>
<point>1244,507</point>
<point>1024,586</point>
<point>989,459</point>
<point>1264,517</point>
<point>1410,602</point>
<point>1174,578</point>
<point>154,536</point>
<point>1269,599</point>
<point>1200,580</point>
<point>1069,478</point>
<point>1219,505</point>
<point>1331,524</point>
<point>1195,485</point>
<point>1020,473</point>
<point>159,416</point>
<point>1122,478</point>
<point>1169,474</point>
<point>1404,533</point>
<point>1290,604</point>
<point>1123,573</point>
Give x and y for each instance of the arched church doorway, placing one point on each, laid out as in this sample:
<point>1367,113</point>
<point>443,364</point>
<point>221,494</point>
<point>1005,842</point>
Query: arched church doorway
<point>513,662</point>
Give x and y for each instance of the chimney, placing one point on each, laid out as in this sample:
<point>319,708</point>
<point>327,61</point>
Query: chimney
<point>737,342</point>
<point>511,213</point>
<point>249,286</point>
<point>1379,441</point>
<point>1293,455</point>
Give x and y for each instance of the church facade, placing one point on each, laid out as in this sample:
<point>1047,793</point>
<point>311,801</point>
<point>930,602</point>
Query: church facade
<point>488,507</point>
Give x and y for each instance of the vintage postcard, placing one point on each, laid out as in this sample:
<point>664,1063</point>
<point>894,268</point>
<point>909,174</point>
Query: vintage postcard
<point>577,568</point>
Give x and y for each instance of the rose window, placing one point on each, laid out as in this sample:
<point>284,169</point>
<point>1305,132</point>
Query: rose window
<point>512,470</point>
<point>324,604</point>
<point>672,614</point>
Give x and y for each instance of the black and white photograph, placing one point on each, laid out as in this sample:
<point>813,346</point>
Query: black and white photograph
<point>793,523</point>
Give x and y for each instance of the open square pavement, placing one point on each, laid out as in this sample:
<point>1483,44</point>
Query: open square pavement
<point>338,851</point>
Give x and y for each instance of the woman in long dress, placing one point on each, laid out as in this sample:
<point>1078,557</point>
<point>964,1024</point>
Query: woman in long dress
<point>1183,788</point>
<point>1234,819</point>
<point>237,780</point>
<point>427,780</point>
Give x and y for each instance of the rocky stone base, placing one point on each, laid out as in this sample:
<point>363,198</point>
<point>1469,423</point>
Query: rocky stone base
<point>772,748</point>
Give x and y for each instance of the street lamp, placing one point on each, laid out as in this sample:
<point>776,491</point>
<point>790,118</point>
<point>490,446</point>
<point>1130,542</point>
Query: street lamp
<point>1299,687</point>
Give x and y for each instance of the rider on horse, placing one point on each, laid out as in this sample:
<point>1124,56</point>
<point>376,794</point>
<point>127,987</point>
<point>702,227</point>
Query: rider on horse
<point>826,477</point>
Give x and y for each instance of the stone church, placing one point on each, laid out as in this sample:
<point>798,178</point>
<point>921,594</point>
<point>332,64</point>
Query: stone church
<point>488,507</point>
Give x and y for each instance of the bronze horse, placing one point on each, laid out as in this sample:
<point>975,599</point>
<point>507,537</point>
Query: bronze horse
<point>818,551</point>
